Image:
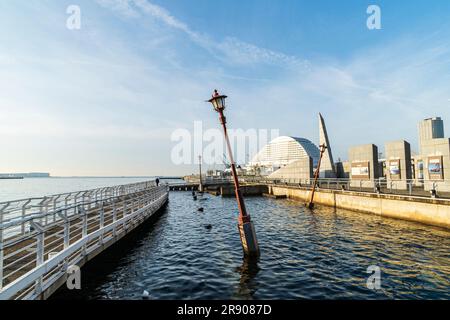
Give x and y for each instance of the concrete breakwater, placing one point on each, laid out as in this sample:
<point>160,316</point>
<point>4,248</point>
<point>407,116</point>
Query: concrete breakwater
<point>429,211</point>
<point>435,212</point>
<point>247,190</point>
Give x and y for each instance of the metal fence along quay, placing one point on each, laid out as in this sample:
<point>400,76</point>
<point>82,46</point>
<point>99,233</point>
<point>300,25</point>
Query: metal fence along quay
<point>40,238</point>
<point>409,187</point>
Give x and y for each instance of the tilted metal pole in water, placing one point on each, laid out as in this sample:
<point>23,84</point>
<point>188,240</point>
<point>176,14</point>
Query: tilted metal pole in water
<point>245,225</point>
<point>200,187</point>
<point>316,176</point>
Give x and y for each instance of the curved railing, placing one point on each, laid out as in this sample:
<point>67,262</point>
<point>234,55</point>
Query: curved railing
<point>41,237</point>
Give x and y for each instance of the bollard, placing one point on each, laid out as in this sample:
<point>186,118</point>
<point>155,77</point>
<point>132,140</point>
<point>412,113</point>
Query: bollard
<point>433,193</point>
<point>378,188</point>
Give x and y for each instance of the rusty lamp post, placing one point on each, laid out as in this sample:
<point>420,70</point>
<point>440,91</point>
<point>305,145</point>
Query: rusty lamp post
<point>323,148</point>
<point>245,225</point>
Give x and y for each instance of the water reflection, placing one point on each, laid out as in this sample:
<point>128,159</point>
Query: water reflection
<point>248,283</point>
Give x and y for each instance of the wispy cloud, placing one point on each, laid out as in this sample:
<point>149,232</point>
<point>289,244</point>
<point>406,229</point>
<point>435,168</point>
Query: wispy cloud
<point>124,7</point>
<point>229,50</point>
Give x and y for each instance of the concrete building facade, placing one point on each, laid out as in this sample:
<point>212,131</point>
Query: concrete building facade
<point>364,165</point>
<point>398,164</point>
<point>436,161</point>
<point>298,171</point>
<point>430,129</point>
<point>432,166</point>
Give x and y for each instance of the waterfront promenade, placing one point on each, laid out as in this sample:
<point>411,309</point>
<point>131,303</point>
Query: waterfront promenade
<point>41,238</point>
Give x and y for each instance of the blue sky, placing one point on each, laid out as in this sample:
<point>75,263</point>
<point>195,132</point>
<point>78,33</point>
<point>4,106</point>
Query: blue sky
<point>104,100</point>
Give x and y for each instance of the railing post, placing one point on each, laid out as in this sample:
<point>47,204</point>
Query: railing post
<point>66,231</point>
<point>24,210</point>
<point>84,228</point>
<point>75,204</point>
<point>85,222</point>
<point>43,210</point>
<point>55,205</point>
<point>144,198</point>
<point>102,222</point>
<point>124,208</point>
<point>46,210</point>
<point>114,219</point>
<point>40,239</point>
<point>89,200</point>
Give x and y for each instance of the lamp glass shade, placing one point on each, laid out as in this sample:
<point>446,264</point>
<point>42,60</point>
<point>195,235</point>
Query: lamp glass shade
<point>218,102</point>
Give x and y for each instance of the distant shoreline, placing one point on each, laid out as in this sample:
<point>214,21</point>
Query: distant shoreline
<point>92,177</point>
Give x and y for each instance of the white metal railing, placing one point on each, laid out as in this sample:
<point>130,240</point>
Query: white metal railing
<point>412,187</point>
<point>205,180</point>
<point>41,237</point>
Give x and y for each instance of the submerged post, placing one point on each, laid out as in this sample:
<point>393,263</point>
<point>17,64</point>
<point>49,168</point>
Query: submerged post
<point>200,186</point>
<point>246,228</point>
<point>323,147</point>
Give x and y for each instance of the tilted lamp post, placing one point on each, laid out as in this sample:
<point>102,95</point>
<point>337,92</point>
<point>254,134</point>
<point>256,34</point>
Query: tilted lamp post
<point>200,186</point>
<point>246,228</point>
<point>323,148</point>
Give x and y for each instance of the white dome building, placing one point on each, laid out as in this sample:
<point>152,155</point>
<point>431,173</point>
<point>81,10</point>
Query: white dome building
<point>283,151</point>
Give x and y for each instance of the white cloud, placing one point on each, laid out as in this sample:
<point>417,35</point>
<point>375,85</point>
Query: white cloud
<point>123,6</point>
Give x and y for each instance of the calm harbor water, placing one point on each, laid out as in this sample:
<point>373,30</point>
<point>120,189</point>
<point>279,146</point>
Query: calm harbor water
<point>304,255</point>
<point>39,187</point>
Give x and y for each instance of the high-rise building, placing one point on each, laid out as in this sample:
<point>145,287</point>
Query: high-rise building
<point>429,129</point>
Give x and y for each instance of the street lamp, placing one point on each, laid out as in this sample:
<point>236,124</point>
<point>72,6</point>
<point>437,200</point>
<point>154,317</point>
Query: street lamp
<point>245,225</point>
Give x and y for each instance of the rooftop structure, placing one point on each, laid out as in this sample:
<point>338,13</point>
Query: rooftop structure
<point>429,129</point>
